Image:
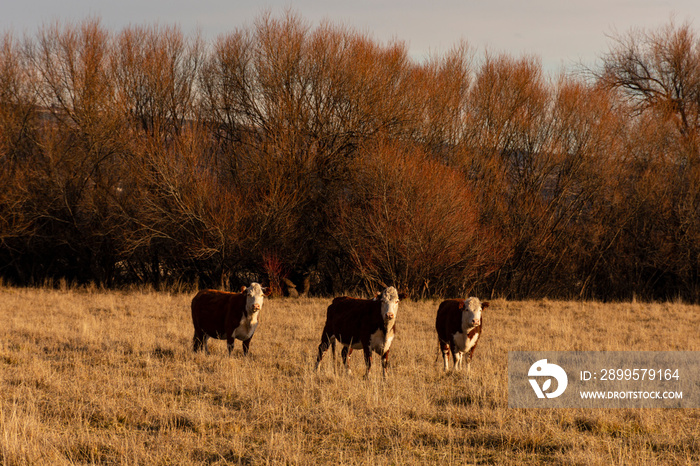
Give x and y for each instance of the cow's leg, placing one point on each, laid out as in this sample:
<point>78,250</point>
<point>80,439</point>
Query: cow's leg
<point>445,350</point>
<point>230,340</point>
<point>322,347</point>
<point>469,360</point>
<point>368,356</point>
<point>333,340</point>
<point>456,357</point>
<point>385,363</point>
<point>197,341</point>
<point>246,346</point>
<point>205,341</point>
<point>459,364</point>
<point>345,355</point>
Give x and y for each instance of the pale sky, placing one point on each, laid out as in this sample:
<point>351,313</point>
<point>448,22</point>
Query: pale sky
<point>561,33</point>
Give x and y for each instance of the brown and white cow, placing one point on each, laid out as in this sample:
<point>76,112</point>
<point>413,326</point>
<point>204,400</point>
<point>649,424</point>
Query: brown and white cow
<point>227,316</point>
<point>369,324</point>
<point>458,326</point>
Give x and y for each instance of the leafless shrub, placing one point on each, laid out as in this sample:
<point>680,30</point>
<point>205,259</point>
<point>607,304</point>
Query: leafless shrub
<point>143,155</point>
<point>412,221</point>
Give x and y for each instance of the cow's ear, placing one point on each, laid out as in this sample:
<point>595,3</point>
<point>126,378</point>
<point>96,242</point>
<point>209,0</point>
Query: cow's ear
<point>243,288</point>
<point>461,305</point>
<point>267,291</point>
<point>402,296</point>
<point>483,305</point>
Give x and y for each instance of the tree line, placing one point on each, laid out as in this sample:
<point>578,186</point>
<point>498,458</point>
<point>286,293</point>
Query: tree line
<point>321,159</point>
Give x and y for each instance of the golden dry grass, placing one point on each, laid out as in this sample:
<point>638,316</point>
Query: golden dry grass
<point>102,377</point>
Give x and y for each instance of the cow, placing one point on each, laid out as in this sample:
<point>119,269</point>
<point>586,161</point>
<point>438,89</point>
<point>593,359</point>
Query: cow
<point>458,324</point>
<point>227,316</point>
<point>369,324</point>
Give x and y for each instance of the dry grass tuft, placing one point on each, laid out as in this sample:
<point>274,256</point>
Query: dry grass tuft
<point>91,376</point>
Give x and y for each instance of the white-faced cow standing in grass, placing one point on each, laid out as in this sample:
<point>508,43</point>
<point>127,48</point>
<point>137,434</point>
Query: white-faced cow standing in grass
<point>227,316</point>
<point>458,326</point>
<point>367,324</point>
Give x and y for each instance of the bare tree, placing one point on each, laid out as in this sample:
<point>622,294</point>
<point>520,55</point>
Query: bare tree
<point>659,71</point>
<point>154,71</point>
<point>316,154</point>
<point>411,221</point>
<point>76,165</point>
<point>18,131</point>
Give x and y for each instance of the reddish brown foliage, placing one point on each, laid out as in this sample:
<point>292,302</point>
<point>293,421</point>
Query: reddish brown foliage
<point>319,155</point>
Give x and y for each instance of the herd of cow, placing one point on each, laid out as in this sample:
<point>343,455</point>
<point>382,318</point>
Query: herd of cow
<point>367,324</point>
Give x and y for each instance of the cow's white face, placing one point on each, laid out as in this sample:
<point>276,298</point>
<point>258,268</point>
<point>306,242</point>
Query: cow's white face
<point>471,314</point>
<point>389,299</point>
<point>254,295</point>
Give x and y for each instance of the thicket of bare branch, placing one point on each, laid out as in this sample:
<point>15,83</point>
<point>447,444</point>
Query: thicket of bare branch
<point>320,157</point>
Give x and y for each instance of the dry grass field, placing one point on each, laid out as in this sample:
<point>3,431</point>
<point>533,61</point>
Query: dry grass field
<point>105,377</point>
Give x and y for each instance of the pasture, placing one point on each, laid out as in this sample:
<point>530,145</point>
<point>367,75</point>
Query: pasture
<point>108,377</point>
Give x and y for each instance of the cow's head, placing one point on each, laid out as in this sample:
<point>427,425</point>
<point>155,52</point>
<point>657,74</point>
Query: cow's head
<point>389,299</point>
<point>471,312</point>
<point>254,295</point>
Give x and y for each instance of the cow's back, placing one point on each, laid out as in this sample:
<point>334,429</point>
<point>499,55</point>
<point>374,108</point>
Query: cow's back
<point>349,319</point>
<point>449,318</point>
<point>211,308</point>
